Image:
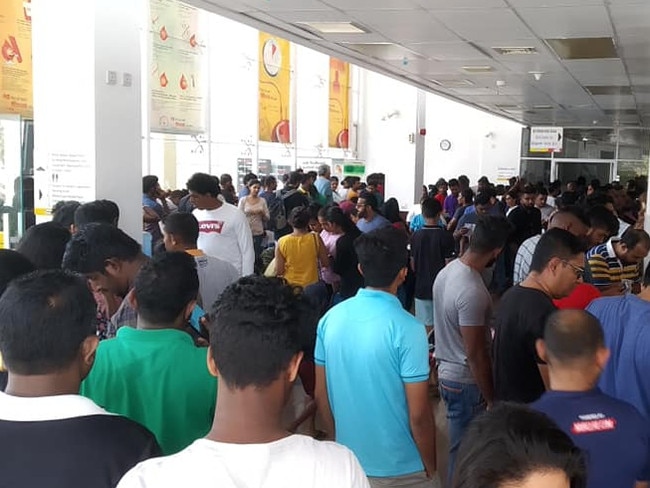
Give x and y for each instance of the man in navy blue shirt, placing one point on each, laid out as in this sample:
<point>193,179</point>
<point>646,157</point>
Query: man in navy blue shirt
<point>614,435</point>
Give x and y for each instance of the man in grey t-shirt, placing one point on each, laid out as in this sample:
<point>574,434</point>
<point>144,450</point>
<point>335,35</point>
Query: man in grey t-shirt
<point>180,233</point>
<point>462,313</point>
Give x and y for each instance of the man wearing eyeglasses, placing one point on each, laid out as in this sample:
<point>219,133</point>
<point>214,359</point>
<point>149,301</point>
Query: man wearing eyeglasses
<point>556,268</point>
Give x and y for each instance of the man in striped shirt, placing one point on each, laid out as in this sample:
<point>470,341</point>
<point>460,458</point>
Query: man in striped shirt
<point>618,261</point>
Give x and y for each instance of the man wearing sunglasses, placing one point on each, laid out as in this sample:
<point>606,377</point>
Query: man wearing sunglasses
<point>556,268</point>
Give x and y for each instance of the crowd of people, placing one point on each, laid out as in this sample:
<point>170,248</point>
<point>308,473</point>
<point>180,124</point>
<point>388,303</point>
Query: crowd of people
<point>522,306</point>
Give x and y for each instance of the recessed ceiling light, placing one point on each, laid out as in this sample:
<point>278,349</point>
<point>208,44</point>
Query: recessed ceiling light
<point>478,69</point>
<point>584,48</point>
<point>543,107</point>
<point>609,90</point>
<point>335,27</point>
<point>515,50</point>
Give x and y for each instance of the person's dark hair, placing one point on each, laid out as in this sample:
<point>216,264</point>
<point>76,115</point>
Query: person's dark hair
<point>555,186</point>
<point>441,182</point>
<point>248,177</point>
<point>646,277</point>
<point>370,199</point>
<point>514,194</point>
<point>633,237</point>
<point>334,178</point>
<point>258,325</point>
<point>182,225</point>
<point>253,182</point>
<point>299,217</point>
<point>164,286</point>
<point>12,265</point>
<point>468,195</point>
<point>453,182</point>
<point>555,243</point>
<point>46,316</point>
<point>149,182</point>
<point>431,208</point>
<point>601,218</point>
<point>463,180</point>
<point>598,198</point>
<point>268,180</point>
<point>295,178</point>
<point>482,198</point>
<point>382,255</point>
<point>491,232</point>
<point>595,183</point>
<point>225,179</point>
<point>90,248</point>
<point>578,213</point>
<point>112,209</point>
<point>542,191</point>
<point>571,335</point>
<point>374,179</point>
<point>44,245</point>
<point>335,215</point>
<point>204,184</point>
<point>63,212</point>
<point>98,212</point>
<point>390,210</point>
<point>566,199</point>
<point>508,443</point>
<point>314,210</point>
<point>529,190</point>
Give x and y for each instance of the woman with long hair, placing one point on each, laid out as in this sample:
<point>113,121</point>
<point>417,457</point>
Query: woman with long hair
<point>299,255</point>
<point>257,213</point>
<point>344,261</point>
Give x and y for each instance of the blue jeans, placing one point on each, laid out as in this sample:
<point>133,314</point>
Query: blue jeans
<point>463,402</point>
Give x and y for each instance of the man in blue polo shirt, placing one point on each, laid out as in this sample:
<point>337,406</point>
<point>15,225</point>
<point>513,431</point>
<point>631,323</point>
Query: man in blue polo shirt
<point>614,435</point>
<point>625,322</point>
<point>372,371</point>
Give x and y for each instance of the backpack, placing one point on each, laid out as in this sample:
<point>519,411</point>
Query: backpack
<point>278,210</point>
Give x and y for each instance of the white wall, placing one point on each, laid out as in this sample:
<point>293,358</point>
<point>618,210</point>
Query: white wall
<point>384,144</point>
<point>481,144</point>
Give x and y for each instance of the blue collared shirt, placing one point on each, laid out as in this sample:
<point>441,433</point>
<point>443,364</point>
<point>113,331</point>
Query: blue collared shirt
<point>370,347</point>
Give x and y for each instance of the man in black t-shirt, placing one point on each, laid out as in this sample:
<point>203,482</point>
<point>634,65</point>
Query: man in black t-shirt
<point>50,435</point>
<point>556,268</point>
<point>431,247</point>
<point>526,219</point>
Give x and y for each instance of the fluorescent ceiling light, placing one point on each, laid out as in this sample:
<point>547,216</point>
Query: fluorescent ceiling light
<point>334,27</point>
<point>478,69</point>
<point>515,50</point>
<point>584,48</point>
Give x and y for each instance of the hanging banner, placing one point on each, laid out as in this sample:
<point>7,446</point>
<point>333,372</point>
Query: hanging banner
<point>339,106</point>
<point>274,89</point>
<point>16,69</point>
<point>178,74</point>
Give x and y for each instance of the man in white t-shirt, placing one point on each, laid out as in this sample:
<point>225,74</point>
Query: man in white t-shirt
<point>256,347</point>
<point>180,232</point>
<point>223,229</point>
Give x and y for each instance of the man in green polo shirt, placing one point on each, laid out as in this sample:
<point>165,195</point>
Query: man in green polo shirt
<point>154,374</point>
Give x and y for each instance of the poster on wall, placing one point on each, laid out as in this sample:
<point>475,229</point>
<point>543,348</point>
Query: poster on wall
<point>274,89</point>
<point>339,104</point>
<point>16,69</point>
<point>342,168</point>
<point>178,74</point>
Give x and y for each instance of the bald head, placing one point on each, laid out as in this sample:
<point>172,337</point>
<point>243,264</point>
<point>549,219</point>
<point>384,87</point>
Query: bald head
<point>572,335</point>
<point>572,219</point>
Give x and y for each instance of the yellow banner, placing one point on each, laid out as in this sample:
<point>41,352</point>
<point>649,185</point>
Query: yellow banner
<point>274,89</point>
<point>16,59</point>
<point>339,107</point>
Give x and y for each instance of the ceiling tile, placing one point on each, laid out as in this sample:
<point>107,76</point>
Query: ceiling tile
<point>385,52</point>
<point>582,21</point>
<point>483,25</point>
<point>232,5</point>
<point>285,4</point>
<point>461,4</point>
<point>598,71</point>
<point>631,20</point>
<point>448,51</point>
<point>405,26</point>
<point>612,102</point>
<point>635,47</point>
<point>372,4</point>
<point>553,3</point>
<point>293,16</point>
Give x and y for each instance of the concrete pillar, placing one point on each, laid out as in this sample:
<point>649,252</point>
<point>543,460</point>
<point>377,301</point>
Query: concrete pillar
<point>88,104</point>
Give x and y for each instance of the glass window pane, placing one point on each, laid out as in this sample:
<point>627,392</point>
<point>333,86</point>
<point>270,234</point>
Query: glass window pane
<point>536,170</point>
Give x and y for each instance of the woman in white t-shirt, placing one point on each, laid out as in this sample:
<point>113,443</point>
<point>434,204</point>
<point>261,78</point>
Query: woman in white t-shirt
<point>257,213</point>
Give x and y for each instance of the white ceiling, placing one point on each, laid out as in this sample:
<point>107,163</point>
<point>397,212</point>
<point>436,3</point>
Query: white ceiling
<point>419,41</point>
